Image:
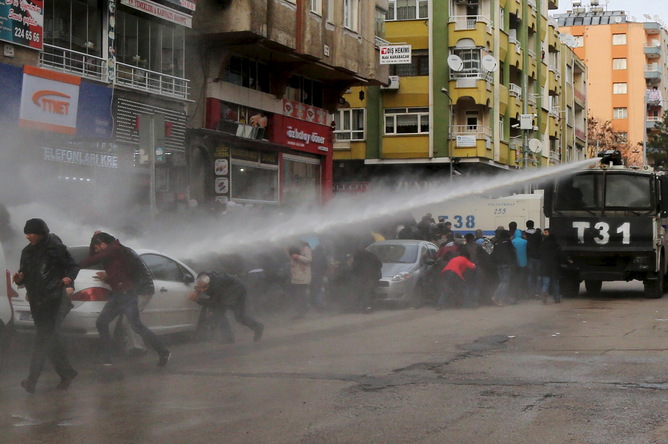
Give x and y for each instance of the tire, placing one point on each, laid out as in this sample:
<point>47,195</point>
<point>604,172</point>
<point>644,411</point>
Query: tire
<point>206,326</point>
<point>593,287</point>
<point>570,286</point>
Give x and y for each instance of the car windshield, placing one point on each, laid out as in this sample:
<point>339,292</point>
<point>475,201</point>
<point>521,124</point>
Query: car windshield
<point>595,191</point>
<point>81,253</point>
<point>395,253</point>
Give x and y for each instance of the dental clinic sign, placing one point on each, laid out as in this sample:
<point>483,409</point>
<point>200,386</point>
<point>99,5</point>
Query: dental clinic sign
<point>49,100</point>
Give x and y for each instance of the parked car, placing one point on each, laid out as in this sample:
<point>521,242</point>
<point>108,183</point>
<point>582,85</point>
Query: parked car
<point>169,310</point>
<point>405,264</point>
<point>7,293</point>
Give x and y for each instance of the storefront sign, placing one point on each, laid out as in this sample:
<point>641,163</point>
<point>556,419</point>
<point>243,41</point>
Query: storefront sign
<point>154,9</point>
<point>186,4</point>
<point>21,22</point>
<point>49,100</point>
<point>305,135</point>
<point>77,157</point>
<point>351,187</point>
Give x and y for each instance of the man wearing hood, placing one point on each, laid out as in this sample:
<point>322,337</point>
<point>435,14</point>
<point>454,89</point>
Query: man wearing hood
<point>47,270</point>
<point>128,277</point>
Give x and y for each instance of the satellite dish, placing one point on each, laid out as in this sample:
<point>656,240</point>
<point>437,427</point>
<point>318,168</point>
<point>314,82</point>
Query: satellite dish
<point>455,63</point>
<point>535,146</point>
<point>647,16</point>
<point>489,63</point>
<point>568,40</point>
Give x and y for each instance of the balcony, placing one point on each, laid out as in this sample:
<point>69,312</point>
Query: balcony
<point>150,81</point>
<point>78,63</point>
<point>651,121</point>
<point>580,97</point>
<point>478,74</point>
<point>653,51</point>
<point>480,132</point>
<point>513,40</point>
<point>653,71</point>
<point>515,90</point>
<point>654,97</point>
<point>580,134</point>
<point>652,27</point>
<point>470,22</point>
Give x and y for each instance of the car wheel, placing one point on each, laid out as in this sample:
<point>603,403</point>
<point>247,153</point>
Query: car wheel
<point>206,326</point>
<point>593,287</point>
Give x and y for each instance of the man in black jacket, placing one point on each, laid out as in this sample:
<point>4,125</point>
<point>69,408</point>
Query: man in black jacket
<point>47,270</point>
<point>222,291</point>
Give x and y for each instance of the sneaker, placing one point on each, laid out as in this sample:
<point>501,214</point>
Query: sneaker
<point>64,383</point>
<point>258,333</point>
<point>28,386</point>
<point>164,359</point>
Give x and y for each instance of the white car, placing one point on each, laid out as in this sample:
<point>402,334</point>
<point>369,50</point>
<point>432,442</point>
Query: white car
<point>7,293</point>
<point>168,311</point>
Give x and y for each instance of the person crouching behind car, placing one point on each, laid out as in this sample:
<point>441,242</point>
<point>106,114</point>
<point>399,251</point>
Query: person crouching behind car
<point>47,270</point>
<point>128,277</point>
<point>222,291</point>
<point>457,275</point>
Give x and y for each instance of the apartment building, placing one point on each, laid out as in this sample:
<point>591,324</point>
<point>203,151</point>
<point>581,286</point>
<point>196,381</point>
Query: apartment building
<point>270,73</point>
<point>477,67</point>
<point>627,63</point>
<point>74,78</point>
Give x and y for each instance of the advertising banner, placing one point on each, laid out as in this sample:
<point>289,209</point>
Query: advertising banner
<point>156,10</point>
<point>49,100</point>
<point>22,22</point>
<point>395,54</point>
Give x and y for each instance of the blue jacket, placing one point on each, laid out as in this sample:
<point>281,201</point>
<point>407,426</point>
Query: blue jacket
<point>520,245</point>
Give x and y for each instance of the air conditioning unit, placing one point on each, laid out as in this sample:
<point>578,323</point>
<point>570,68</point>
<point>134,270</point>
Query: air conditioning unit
<point>394,83</point>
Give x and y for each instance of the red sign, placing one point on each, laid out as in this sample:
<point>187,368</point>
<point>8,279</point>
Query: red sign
<point>304,136</point>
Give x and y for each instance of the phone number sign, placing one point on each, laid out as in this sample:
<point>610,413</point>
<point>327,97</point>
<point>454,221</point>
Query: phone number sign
<point>395,54</point>
<point>21,22</point>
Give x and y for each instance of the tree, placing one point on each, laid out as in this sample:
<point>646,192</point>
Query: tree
<point>602,136</point>
<point>657,145</point>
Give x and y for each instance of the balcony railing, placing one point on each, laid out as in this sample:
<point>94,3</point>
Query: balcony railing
<point>381,42</point>
<point>514,90</point>
<point>580,95</point>
<point>580,134</point>
<point>150,81</point>
<point>473,75</point>
<point>480,132</point>
<point>78,63</point>
<point>469,22</point>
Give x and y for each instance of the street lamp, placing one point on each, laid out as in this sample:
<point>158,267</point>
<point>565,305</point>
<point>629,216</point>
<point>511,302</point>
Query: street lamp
<point>444,90</point>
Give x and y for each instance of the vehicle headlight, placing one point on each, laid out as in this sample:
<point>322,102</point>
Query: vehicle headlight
<point>404,275</point>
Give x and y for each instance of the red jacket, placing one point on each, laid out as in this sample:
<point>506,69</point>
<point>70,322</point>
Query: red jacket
<point>458,265</point>
<point>114,260</point>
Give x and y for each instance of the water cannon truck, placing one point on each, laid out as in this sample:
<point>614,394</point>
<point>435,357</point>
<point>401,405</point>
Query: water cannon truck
<point>610,221</point>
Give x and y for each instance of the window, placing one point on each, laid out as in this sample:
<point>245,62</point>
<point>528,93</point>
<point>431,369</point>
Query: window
<point>619,39</point>
<point>351,14</point>
<point>248,73</point>
<point>304,90</point>
<point>618,63</point>
<point>253,181</point>
<point>471,59</point>
<point>150,44</point>
<point>316,6</point>
<point>407,120</point>
<point>349,124</point>
<point>75,25</point>
<point>619,88</point>
<point>162,268</point>
<point>407,9</point>
<point>419,66</point>
<point>301,184</point>
<point>330,11</point>
<point>620,113</point>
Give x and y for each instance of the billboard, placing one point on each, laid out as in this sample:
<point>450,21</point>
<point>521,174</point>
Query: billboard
<point>22,22</point>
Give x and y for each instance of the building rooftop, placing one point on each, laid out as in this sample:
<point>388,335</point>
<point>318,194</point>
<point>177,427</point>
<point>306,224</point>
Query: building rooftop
<point>591,16</point>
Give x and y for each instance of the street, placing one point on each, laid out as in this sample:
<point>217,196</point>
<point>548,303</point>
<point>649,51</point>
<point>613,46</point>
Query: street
<point>588,370</point>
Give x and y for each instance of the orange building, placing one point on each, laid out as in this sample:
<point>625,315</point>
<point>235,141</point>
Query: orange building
<point>626,64</point>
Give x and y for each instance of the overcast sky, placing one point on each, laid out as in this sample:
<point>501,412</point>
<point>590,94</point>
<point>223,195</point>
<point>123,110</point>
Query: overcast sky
<point>635,8</point>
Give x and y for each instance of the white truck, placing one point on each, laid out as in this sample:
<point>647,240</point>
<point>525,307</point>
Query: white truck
<point>487,213</point>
